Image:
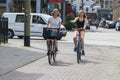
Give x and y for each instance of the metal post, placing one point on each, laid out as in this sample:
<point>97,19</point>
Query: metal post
<point>27,4</point>
<point>0,30</point>
<point>63,7</point>
<point>38,6</point>
<point>48,7</point>
<point>82,5</point>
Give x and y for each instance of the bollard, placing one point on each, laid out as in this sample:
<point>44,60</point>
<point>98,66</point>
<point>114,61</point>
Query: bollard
<point>3,30</point>
<point>0,31</point>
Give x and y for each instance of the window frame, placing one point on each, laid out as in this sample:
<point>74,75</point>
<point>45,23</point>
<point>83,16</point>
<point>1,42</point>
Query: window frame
<point>20,18</point>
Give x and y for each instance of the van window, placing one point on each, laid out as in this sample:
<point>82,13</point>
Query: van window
<point>37,20</point>
<point>20,18</point>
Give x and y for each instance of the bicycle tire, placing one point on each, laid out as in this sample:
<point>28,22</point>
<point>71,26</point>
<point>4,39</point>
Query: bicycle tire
<point>50,58</point>
<point>54,56</point>
<point>54,52</point>
<point>50,53</point>
<point>78,55</point>
<point>78,52</point>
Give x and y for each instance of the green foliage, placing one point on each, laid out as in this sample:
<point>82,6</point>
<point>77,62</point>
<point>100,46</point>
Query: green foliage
<point>67,23</point>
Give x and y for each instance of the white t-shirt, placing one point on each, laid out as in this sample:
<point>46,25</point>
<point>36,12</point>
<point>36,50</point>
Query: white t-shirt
<point>54,22</point>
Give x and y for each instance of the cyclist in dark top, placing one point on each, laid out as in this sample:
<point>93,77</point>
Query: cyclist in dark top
<point>81,22</point>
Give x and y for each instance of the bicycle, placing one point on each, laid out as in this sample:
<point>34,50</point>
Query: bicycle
<point>51,34</point>
<point>79,45</point>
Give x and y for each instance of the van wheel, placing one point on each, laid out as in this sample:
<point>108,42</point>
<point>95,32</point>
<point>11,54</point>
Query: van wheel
<point>20,37</point>
<point>10,34</point>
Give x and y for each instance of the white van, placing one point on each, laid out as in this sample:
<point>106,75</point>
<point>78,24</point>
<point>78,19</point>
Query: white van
<point>37,23</point>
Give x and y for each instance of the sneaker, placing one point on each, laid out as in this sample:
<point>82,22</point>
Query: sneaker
<point>74,48</point>
<point>83,52</point>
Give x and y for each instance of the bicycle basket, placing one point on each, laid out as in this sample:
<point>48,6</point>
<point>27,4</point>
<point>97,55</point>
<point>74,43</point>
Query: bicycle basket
<point>51,33</point>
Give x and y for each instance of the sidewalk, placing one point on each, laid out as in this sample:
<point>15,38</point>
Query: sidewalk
<point>12,58</point>
<point>100,63</point>
<point>109,67</point>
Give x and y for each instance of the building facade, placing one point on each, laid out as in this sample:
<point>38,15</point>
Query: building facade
<point>2,6</point>
<point>105,12</point>
<point>18,5</point>
<point>116,9</point>
<point>90,6</point>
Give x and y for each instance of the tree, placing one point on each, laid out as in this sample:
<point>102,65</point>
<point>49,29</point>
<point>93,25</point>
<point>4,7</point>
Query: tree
<point>67,23</point>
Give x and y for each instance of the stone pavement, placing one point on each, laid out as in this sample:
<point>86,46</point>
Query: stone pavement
<point>12,58</point>
<point>109,67</point>
<point>100,63</point>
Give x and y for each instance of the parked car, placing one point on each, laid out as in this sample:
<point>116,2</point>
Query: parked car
<point>37,23</point>
<point>107,24</point>
<point>103,23</point>
<point>111,24</point>
<point>117,26</point>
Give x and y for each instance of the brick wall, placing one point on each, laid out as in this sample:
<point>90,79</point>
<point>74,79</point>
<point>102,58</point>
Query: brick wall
<point>116,9</point>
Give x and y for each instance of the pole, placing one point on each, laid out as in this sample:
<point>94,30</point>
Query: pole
<point>27,4</point>
<point>63,5</point>
<point>82,5</point>
<point>38,6</point>
<point>48,6</point>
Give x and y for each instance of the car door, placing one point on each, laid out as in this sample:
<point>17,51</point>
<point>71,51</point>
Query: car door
<point>37,24</point>
<point>19,25</point>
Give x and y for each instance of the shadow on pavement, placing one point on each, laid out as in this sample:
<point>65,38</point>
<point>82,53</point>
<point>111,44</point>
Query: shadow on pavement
<point>84,61</point>
<point>33,38</point>
<point>16,75</point>
<point>61,63</point>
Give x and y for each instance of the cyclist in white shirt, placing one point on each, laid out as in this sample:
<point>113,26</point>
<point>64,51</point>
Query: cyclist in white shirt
<point>54,22</point>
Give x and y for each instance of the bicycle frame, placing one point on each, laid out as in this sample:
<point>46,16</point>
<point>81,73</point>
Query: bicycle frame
<point>51,34</point>
<point>51,51</point>
<point>78,48</point>
<point>79,45</point>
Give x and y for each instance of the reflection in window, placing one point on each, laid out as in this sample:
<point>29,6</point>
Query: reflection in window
<point>20,18</point>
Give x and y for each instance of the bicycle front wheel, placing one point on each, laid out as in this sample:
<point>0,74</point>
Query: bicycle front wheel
<point>50,58</point>
<point>78,53</point>
<point>54,56</point>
